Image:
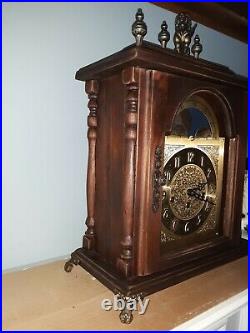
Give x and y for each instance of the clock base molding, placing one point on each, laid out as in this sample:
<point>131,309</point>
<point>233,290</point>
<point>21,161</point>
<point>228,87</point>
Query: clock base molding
<point>146,285</point>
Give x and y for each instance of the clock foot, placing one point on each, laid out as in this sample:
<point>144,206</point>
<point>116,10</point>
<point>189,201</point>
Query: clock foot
<point>130,304</point>
<point>68,266</point>
<point>126,316</point>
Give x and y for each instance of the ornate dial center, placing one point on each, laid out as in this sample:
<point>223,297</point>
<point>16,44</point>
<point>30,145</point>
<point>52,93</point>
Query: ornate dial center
<point>183,205</point>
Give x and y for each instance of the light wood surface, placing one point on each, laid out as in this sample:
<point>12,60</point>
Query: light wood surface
<point>47,298</point>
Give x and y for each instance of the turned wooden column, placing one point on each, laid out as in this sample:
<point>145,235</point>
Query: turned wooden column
<point>91,89</point>
<point>130,80</point>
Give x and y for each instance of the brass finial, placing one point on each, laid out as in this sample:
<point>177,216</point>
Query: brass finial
<point>164,36</point>
<point>196,47</point>
<point>139,27</point>
<point>183,33</point>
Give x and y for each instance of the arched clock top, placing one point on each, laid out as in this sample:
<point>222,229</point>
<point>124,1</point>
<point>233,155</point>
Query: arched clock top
<point>204,113</point>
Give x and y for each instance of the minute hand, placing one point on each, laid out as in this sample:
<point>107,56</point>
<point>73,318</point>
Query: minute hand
<point>193,193</point>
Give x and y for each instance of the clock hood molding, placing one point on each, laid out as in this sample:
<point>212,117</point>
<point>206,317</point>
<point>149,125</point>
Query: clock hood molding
<point>152,56</point>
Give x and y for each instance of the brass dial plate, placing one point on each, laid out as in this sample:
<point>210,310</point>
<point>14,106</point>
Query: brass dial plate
<point>192,191</point>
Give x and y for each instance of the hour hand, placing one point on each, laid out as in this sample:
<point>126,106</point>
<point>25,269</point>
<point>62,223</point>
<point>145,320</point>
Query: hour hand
<point>200,186</point>
<point>194,192</point>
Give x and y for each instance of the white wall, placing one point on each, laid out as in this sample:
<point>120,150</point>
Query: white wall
<point>44,113</point>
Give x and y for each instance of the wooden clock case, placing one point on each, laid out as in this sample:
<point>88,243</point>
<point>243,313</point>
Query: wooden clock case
<point>133,96</point>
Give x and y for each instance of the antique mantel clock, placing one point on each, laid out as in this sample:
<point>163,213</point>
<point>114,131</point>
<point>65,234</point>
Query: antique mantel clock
<point>167,142</point>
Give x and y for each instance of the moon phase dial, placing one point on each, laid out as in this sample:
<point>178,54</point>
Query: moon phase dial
<point>189,192</point>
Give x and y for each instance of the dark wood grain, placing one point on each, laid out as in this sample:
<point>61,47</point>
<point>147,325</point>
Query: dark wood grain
<point>91,89</point>
<point>152,56</point>
<point>130,78</point>
<point>109,168</point>
<point>149,284</point>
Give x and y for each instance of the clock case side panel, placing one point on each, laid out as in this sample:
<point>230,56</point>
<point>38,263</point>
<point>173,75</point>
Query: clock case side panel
<point>237,154</point>
<point>153,98</point>
<point>116,167</point>
<point>109,170</point>
<point>164,94</point>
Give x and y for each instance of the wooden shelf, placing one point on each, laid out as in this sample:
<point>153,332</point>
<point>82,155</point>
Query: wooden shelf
<point>47,298</point>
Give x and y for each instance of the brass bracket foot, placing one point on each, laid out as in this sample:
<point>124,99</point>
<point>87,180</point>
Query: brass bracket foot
<point>68,266</point>
<point>126,314</point>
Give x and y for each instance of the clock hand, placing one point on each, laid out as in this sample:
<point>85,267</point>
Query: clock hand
<point>209,201</point>
<point>200,186</point>
<point>193,193</point>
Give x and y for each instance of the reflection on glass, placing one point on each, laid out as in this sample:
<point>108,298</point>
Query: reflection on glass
<point>191,122</point>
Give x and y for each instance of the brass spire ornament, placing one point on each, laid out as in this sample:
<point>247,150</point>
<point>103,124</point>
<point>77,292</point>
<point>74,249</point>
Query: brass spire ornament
<point>139,27</point>
<point>196,47</point>
<point>164,35</point>
<point>183,33</point>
